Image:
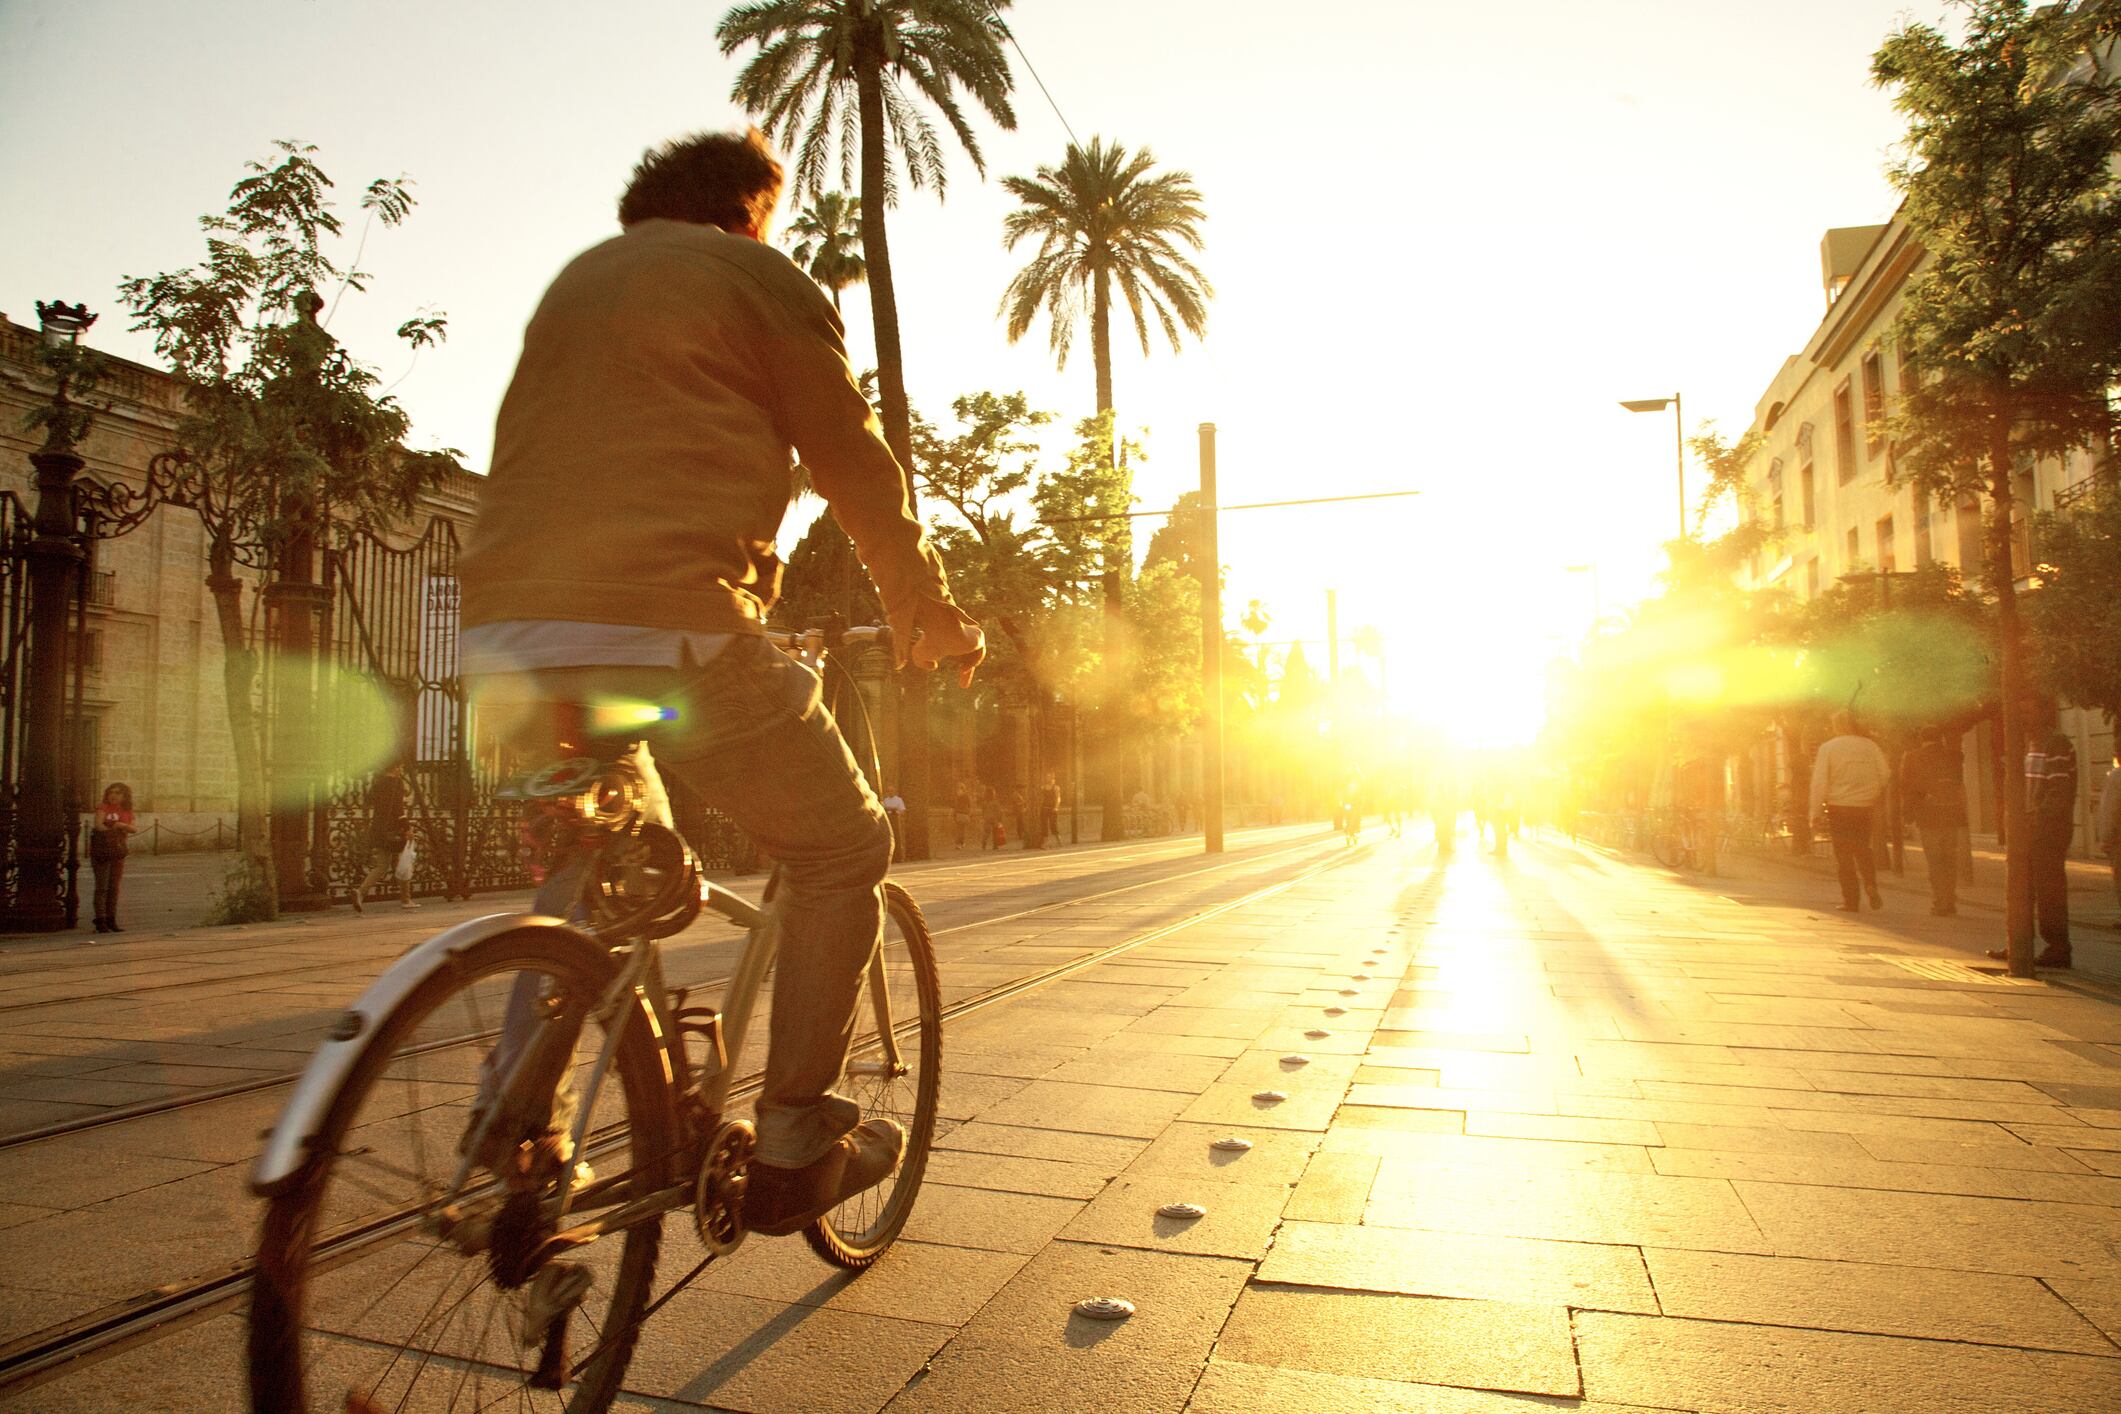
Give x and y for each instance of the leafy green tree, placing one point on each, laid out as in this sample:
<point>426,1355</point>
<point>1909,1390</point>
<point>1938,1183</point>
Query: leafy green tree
<point>2015,317</point>
<point>828,242</point>
<point>289,439</point>
<point>852,79</point>
<point>1084,506</point>
<point>1103,221</point>
<point>2075,613</point>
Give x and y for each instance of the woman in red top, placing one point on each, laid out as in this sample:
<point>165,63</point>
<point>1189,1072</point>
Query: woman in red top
<point>106,851</point>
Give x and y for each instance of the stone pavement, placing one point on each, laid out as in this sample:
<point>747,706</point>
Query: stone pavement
<point>1559,1132</point>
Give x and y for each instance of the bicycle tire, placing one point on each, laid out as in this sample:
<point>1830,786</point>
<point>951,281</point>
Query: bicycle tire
<point>294,1368</point>
<point>1668,848</point>
<point>860,1230</point>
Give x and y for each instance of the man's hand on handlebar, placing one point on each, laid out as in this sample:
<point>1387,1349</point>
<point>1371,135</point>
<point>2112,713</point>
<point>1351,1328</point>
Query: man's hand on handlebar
<point>938,631</point>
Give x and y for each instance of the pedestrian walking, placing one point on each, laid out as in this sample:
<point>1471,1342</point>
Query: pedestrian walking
<point>1934,789</point>
<point>389,834</point>
<point>961,812</point>
<point>1848,781</point>
<point>895,809</point>
<point>2051,814</point>
<point>106,851</point>
<point>1020,812</point>
<point>990,816</point>
<point>1049,801</point>
<point>2108,827</point>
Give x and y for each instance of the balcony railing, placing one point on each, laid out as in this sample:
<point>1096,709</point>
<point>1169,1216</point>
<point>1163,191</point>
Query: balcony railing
<point>102,589</point>
<point>2069,498</point>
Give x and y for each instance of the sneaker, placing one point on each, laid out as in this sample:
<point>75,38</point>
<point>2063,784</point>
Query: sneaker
<point>1877,899</point>
<point>358,906</point>
<point>1845,908</point>
<point>778,1201</point>
<point>409,904</point>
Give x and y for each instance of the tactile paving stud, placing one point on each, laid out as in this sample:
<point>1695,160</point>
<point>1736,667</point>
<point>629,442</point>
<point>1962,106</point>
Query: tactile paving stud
<point>1378,951</point>
<point>1182,1210</point>
<point>1358,977</point>
<point>1318,1033</point>
<point>1270,1097</point>
<point>1231,1144</point>
<point>1105,1308</point>
<point>1295,1060</point>
<point>1349,992</point>
<point>1368,963</point>
<point>1336,1011</point>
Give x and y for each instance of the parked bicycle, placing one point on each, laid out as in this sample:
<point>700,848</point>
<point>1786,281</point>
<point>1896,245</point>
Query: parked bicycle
<point>1680,839</point>
<point>466,1193</point>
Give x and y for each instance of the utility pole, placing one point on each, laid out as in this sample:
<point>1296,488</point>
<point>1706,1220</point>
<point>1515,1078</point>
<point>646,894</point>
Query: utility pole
<point>1211,652</point>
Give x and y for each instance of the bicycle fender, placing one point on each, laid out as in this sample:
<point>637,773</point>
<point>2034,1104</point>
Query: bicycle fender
<point>287,1144</point>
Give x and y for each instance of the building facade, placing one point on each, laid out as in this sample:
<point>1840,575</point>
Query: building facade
<point>1825,480</point>
<point>153,708</point>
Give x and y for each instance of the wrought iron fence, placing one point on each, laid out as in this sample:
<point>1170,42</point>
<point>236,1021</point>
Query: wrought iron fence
<point>392,689</point>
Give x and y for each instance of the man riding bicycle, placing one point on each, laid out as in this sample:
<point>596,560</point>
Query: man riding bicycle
<point>624,556</point>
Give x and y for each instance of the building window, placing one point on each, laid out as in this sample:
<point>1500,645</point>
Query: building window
<point>91,642</point>
<point>1774,487</point>
<point>1873,402</point>
<point>1925,554</point>
<point>1844,432</point>
<point>1855,550</point>
<point>1809,484</point>
<point>1885,544</point>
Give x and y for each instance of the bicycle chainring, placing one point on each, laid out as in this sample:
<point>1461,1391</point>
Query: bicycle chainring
<point>718,1198</point>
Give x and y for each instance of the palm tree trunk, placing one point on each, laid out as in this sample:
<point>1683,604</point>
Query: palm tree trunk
<point>2017,861</point>
<point>1112,744</point>
<point>1101,339</point>
<point>898,424</point>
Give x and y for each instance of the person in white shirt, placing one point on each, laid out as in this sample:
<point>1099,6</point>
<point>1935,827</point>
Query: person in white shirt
<point>1848,782</point>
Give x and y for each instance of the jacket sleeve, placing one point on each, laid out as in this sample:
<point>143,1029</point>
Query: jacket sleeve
<point>820,410</point>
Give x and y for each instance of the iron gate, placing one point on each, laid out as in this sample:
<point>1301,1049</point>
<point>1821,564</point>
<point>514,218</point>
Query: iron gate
<point>391,689</point>
<point>16,532</point>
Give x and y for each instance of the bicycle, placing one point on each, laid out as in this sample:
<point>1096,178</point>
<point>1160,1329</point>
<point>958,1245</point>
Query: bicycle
<point>1679,839</point>
<point>457,1207</point>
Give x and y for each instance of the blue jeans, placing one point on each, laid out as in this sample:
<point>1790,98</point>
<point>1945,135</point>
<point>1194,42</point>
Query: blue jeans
<point>751,736</point>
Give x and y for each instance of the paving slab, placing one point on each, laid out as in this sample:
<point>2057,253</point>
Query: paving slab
<point>1747,1369</point>
<point>1478,1344</point>
<point>1859,1296</point>
<point>1414,1263</point>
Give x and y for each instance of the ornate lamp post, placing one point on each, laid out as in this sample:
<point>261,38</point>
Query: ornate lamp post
<point>54,557</point>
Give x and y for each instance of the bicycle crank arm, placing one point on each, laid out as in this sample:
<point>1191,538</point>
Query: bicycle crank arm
<point>640,1210</point>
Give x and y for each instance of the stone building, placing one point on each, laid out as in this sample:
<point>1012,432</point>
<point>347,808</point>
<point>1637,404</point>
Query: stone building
<point>152,711</point>
<point>1825,478</point>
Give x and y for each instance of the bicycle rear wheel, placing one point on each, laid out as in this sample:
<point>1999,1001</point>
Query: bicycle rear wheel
<point>1668,846</point>
<point>857,1232</point>
<point>369,1294</point>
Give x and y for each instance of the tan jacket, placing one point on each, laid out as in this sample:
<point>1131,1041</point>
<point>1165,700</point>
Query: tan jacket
<point>1850,771</point>
<point>642,459</point>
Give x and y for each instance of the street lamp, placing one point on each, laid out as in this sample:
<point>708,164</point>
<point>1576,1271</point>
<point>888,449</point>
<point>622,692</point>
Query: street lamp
<point>53,556</point>
<point>1678,441</point>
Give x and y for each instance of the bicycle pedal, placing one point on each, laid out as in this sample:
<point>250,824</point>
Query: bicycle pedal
<point>553,1295</point>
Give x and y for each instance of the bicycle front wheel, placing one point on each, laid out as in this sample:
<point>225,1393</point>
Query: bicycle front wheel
<point>374,1291</point>
<point>894,1069</point>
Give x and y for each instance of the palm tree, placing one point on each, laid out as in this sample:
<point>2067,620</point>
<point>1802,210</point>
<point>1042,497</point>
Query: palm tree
<point>828,245</point>
<point>851,76</point>
<point>1102,220</point>
<point>854,76</point>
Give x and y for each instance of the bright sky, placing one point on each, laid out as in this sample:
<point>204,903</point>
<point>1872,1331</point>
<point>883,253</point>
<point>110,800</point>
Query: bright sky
<point>1445,239</point>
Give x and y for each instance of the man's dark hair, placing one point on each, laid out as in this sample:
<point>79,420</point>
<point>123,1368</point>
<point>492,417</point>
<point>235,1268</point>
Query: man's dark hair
<point>710,179</point>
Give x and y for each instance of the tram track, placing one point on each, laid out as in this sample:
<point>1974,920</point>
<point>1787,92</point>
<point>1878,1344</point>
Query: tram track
<point>1043,869</point>
<point>49,1354</point>
<point>238,1089</point>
